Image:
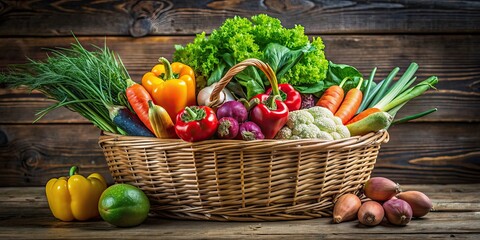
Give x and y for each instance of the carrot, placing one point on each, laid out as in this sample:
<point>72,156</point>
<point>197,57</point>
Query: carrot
<point>363,114</point>
<point>138,98</point>
<point>350,104</point>
<point>332,97</point>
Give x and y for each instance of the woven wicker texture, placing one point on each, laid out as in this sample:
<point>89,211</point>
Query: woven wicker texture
<point>235,180</point>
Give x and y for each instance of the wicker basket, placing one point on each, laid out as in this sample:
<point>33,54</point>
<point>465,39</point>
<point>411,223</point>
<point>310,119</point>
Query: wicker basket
<point>235,180</point>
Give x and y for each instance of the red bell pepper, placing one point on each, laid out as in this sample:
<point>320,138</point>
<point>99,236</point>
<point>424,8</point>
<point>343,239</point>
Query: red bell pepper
<point>290,96</point>
<point>271,113</point>
<point>196,123</point>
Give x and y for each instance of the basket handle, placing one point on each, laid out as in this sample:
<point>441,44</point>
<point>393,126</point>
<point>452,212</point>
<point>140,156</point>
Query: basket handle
<point>222,83</point>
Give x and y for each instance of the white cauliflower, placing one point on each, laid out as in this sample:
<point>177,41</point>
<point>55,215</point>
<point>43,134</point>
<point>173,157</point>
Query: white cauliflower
<point>315,122</point>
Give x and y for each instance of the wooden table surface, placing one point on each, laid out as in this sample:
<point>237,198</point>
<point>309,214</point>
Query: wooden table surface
<point>24,214</point>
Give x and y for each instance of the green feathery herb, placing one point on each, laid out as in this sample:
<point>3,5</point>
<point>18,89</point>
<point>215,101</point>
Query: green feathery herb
<point>83,81</point>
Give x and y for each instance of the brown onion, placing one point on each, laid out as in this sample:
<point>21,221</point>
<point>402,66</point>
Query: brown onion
<point>397,211</point>
<point>420,203</point>
<point>346,208</point>
<point>381,189</point>
<point>370,213</point>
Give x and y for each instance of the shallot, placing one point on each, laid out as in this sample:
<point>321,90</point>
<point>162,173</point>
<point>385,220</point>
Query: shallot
<point>346,208</point>
<point>370,213</point>
<point>398,211</point>
<point>420,203</point>
<point>381,189</point>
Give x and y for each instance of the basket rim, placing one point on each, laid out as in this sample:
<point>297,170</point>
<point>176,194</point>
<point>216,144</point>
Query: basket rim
<point>372,138</point>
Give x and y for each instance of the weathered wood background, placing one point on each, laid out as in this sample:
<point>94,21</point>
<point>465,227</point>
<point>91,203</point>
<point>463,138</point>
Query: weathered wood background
<point>441,36</point>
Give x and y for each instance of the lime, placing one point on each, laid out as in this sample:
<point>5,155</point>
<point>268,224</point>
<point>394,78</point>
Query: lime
<point>123,205</point>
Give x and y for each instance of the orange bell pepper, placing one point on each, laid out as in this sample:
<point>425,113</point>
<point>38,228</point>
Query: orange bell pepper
<point>171,86</point>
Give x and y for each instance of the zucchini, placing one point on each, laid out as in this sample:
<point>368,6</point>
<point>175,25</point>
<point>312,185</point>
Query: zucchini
<point>128,122</point>
<point>371,123</point>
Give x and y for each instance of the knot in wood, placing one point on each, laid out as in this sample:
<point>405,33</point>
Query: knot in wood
<point>141,27</point>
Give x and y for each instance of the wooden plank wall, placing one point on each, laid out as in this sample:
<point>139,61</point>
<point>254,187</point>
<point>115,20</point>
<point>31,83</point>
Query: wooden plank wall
<point>441,36</point>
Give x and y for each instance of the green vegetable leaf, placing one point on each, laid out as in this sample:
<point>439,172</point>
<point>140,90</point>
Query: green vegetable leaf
<point>248,38</point>
<point>337,72</point>
<point>217,74</point>
<point>251,78</point>
<point>282,58</point>
<point>253,88</point>
<point>312,88</point>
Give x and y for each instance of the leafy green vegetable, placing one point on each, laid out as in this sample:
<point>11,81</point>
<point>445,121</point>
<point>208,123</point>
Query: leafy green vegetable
<point>282,59</point>
<point>337,72</point>
<point>244,38</point>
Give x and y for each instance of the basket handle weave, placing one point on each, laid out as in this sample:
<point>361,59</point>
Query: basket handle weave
<point>222,83</point>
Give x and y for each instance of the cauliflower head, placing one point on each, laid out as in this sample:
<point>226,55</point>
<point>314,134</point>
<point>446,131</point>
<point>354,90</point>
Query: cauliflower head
<point>316,122</point>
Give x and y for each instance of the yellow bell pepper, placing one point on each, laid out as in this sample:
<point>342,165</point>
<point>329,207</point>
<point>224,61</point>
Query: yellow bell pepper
<point>172,86</point>
<point>75,197</point>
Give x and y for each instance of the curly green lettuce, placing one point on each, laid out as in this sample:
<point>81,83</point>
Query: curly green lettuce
<point>244,38</point>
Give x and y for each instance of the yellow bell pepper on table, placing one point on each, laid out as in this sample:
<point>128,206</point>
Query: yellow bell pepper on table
<point>75,197</point>
<point>171,86</point>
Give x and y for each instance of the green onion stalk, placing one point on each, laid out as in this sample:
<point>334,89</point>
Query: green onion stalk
<point>86,82</point>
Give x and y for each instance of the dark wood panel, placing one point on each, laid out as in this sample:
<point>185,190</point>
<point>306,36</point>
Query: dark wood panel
<point>139,18</point>
<point>32,154</point>
<point>453,58</point>
<point>426,153</point>
<point>416,153</point>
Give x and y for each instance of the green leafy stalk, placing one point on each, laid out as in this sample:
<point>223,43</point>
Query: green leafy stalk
<point>386,84</point>
<point>367,91</point>
<point>412,92</point>
<point>83,81</point>
<point>414,116</point>
<point>397,87</point>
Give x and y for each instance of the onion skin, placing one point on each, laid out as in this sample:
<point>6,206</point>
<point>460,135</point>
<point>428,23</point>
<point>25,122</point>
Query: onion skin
<point>420,203</point>
<point>398,211</point>
<point>346,208</point>
<point>371,213</point>
<point>381,189</point>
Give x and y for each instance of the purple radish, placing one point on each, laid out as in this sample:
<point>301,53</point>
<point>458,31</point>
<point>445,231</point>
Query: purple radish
<point>233,109</point>
<point>250,131</point>
<point>227,128</point>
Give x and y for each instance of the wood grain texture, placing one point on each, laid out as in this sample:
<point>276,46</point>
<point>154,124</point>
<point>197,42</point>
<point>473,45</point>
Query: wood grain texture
<point>140,18</point>
<point>441,36</point>
<point>417,153</point>
<point>32,154</point>
<point>440,148</point>
<point>453,58</point>
<point>25,215</point>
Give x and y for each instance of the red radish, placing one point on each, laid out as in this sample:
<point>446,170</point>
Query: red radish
<point>420,203</point>
<point>370,213</point>
<point>346,208</point>
<point>397,211</point>
<point>381,189</point>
